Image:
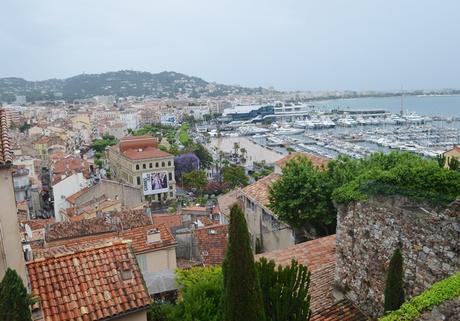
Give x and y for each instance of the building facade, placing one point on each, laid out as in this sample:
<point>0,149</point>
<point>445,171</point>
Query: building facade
<point>138,161</point>
<point>11,255</point>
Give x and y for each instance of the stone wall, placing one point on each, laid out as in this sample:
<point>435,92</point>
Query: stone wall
<point>369,232</point>
<point>447,311</point>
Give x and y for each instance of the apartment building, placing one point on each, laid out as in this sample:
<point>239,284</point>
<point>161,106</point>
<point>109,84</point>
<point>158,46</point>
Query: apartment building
<point>138,161</point>
<point>11,254</point>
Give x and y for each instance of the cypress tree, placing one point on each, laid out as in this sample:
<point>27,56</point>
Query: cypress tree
<point>14,300</point>
<point>242,300</point>
<point>394,291</point>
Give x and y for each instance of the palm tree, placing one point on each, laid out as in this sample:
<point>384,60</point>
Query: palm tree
<point>236,147</point>
<point>243,154</point>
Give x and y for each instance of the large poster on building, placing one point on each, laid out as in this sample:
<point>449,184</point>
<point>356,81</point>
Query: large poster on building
<point>155,183</point>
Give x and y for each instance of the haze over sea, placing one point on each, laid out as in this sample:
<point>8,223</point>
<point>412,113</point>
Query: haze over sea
<point>446,106</point>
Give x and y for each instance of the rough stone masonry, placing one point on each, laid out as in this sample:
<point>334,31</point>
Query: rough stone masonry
<point>369,232</point>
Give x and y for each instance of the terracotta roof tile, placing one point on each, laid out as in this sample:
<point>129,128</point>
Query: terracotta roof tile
<point>99,225</point>
<point>319,256</point>
<point>259,191</point>
<point>138,236</point>
<point>226,200</point>
<point>341,311</point>
<point>146,153</point>
<point>212,243</point>
<point>73,198</point>
<point>6,154</point>
<point>92,284</point>
<point>315,254</point>
<point>169,220</point>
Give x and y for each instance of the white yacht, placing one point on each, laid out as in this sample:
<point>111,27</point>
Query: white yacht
<point>288,131</point>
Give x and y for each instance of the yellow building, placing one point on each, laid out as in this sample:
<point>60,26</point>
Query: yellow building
<point>454,152</point>
<point>138,161</point>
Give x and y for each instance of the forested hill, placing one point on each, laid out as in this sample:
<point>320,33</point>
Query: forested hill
<point>119,84</point>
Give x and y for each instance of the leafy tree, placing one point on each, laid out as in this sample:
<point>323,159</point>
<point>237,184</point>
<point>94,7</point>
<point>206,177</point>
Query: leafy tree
<point>200,300</point>
<point>15,302</point>
<point>400,174</point>
<point>99,145</point>
<point>24,127</point>
<point>234,176</point>
<point>184,138</point>
<point>203,154</point>
<point>285,291</point>
<point>302,196</point>
<point>196,179</point>
<point>394,291</point>
<point>242,298</point>
<point>454,164</point>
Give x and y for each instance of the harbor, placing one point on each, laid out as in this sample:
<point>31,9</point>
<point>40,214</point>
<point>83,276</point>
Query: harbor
<point>331,132</point>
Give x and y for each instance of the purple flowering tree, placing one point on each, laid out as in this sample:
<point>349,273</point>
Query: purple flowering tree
<point>185,163</point>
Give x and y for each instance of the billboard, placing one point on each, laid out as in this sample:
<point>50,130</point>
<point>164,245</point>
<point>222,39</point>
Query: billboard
<point>155,183</point>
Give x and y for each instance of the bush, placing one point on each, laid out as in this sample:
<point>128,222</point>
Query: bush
<point>285,291</point>
<point>201,297</point>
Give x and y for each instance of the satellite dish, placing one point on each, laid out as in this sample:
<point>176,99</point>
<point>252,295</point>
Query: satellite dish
<point>28,231</point>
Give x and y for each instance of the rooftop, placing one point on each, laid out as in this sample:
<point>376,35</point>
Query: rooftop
<point>99,225</point>
<point>92,284</point>
<point>259,191</point>
<point>139,147</point>
<point>212,243</point>
<point>319,256</point>
<point>6,154</point>
<point>226,200</point>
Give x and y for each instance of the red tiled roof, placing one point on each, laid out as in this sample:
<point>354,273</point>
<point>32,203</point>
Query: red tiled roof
<point>138,236</point>
<point>93,284</point>
<point>72,198</point>
<point>71,163</point>
<point>316,160</point>
<point>136,142</point>
<point>147,153</point>
<point>117,221</point>
<point>259,190</point>
<point>212,243</point>
<point>315,254</point>
<point>168,220</point>
<point>139,147</point>
<point>319,256</point>
<point>6,154</point>
<point>343,310</point>
<point>226,200</point>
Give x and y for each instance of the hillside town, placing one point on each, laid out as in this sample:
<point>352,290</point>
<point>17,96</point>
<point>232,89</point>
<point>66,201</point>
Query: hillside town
<point>106,200</point>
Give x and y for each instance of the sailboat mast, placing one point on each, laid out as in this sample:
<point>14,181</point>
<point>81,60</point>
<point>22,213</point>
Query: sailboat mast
<point>402,101</point>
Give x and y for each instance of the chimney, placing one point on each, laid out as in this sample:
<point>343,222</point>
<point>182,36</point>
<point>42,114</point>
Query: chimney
<point>153,236</point>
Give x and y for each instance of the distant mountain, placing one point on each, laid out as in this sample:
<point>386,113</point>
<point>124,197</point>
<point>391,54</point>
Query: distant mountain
<point>119,84</point>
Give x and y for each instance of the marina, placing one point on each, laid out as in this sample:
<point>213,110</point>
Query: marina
<point>354,132</point>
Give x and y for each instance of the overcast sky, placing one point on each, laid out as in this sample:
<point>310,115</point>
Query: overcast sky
<point>291,45</point>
